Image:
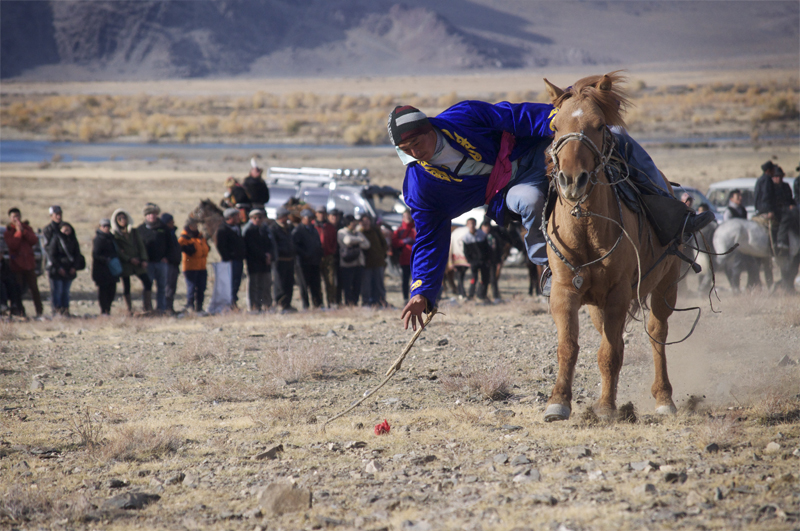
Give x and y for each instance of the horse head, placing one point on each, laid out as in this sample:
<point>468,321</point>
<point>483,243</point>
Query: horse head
<point>582,141</point>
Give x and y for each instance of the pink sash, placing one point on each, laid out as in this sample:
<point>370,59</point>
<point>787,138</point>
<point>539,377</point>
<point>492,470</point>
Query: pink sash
<point>501,173</point>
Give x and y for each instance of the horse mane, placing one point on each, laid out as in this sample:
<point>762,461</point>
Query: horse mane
<point>612,103</point>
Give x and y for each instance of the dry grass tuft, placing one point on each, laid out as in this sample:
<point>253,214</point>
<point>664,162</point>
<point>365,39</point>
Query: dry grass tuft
<point>87,429</point>
<point>8,332</point>
<point>494,383</point>
<point>136,443</point>
<point>285,413</point>
<point>723,430</point>
<point>297,364</point>
<point>24,503</point>
<point>197,348</point>
<point>133,367</point>
<point>778,406</point>
<point>228,389</point>
<point>468,415</point>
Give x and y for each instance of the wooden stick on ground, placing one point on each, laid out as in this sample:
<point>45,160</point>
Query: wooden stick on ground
<point>389,373</point>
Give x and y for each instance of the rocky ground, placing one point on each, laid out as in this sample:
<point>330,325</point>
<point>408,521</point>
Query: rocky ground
<point>217,422</point>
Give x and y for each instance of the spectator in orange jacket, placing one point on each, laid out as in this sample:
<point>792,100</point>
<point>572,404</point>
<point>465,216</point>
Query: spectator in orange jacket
<point>195,253</point>
<point>20,239</point>
<point>403,241</point>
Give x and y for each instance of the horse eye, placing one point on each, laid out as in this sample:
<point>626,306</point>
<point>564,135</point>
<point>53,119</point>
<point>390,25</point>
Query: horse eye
<point>600,129</point>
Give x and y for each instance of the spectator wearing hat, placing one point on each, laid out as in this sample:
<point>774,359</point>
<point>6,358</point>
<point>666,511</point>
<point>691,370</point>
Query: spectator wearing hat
<point>403,241</point>
<point>231,247</point>
<point>284,266</point>
<point>174,262</point>
<point>258,242</point>
<point>104,251</point>
<point>194,249</point>
<point>352,244</point>
<point>335,219</point>
<point>50,231</point>
<point>20,240</point>
<point>256,188</point>
<point>786,210</point>
<point>133,256</point>
<point>308,246</point>
<point>372,287</point>
<point>764,191</point>
<point>327,236</point>
<point>158,240</point>
<point>66,260</point>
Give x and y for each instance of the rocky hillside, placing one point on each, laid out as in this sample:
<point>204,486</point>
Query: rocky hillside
<point>154,39</point>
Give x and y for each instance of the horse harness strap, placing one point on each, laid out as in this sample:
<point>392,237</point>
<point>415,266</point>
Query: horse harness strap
<point>577,211</point>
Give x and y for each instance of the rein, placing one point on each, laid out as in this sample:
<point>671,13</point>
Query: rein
<point>602,158</point>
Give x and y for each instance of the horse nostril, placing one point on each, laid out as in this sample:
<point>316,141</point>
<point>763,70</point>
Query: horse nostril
<point>562,179</point>
<point>583,179</point>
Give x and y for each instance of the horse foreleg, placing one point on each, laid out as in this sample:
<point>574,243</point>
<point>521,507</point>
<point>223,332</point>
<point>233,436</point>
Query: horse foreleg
<point>610,322</point>
<point>661,302</point>
<point>564,305</point>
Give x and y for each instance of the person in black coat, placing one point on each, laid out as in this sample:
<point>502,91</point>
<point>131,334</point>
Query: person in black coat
<point>173,261</point>
<point>231,247</point>
<point>65,262</point>
<point>158,241</point>
<point>284,265</point>
<point>103,251</point>
<point>309,257</point>
<point>255,186</point>
<point>259,245</point>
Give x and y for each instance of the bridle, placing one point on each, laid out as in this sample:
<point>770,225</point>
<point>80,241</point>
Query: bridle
<point>602,159</point>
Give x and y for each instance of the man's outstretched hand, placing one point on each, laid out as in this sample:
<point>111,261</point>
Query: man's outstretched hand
<point>413,311</point>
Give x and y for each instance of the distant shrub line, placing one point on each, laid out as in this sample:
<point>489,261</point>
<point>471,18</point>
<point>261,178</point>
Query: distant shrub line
<point>348,119</point>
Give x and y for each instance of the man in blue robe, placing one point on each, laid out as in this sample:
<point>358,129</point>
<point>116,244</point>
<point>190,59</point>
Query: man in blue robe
<point>474,154</point>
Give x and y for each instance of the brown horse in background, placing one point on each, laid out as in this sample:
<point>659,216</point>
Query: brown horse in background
<point>599,265</point>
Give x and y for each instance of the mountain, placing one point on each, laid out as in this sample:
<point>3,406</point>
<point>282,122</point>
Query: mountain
<point>150,39</point>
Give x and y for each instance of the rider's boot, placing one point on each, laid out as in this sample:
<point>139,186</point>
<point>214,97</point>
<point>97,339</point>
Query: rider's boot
<point>670,218</point>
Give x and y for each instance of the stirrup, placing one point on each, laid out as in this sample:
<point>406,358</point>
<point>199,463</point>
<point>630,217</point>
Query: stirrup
<point>545,282</point>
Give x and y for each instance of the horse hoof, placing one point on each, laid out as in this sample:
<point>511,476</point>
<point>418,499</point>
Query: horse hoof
<point>669,409</point>
<point>556,412</point>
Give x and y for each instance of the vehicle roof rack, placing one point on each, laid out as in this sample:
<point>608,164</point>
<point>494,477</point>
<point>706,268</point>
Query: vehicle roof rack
<point>321,176</point>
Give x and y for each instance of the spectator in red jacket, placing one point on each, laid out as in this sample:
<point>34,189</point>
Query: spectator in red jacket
<point>20,239</point>
<point>328,236</point>
<point>403,241</point>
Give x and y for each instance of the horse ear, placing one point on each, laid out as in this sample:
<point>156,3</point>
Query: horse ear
<point>553,91</point>
<point>605,83</point>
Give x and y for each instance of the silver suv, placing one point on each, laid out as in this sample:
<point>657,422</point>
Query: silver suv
<point>346,190</point>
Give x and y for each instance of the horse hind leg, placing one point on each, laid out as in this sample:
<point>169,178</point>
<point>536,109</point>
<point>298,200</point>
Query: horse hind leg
<point>661,303</point>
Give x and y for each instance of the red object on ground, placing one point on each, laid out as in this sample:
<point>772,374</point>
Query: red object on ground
<point>382,428</point>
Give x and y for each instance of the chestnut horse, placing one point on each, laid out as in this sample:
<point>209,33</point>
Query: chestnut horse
<point>599,250</point>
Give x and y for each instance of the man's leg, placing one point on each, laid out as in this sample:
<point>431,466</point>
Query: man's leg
<point>483,289</point>
<point>328,270</point>
<point>200,289</point>
<point>162,274</point>
<point>191,283</point>
<point>790,222</point>
<point>314,281</point>
<point>253,295</point>
<point>527,200</point>
<point>473,280</point>
<point>237,270</point>
<point>172,286</point>
<point>301,283</point>
<point>33,285</point>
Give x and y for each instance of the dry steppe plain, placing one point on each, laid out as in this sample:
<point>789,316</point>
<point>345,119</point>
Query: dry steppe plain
<point>191,410</point>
